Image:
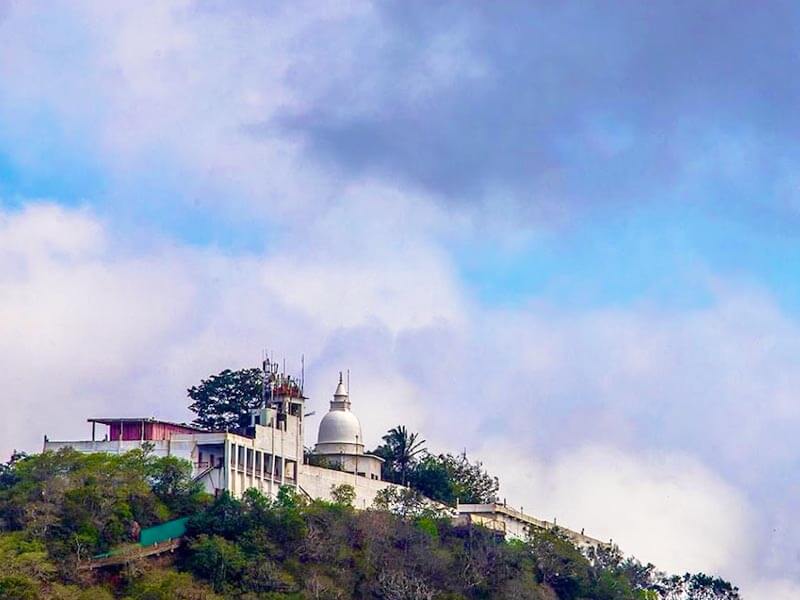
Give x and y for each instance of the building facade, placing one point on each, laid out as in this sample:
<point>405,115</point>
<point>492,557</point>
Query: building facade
<point>269,453</point>
<point>266,455</point>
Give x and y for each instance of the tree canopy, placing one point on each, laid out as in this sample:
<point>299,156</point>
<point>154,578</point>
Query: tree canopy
<point>223,402</point>
<point>446,478</point>
<point>58,509</point>
<point>399,450</point>
<point>452,478</point>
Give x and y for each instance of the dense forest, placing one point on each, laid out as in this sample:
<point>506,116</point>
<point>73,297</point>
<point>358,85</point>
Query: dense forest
<point>58,510</point>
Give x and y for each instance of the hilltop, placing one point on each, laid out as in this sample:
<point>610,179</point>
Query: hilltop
<point>58,510</point>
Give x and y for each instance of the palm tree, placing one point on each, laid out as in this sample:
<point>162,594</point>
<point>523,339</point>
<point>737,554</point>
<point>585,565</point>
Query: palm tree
<point>401,448</point>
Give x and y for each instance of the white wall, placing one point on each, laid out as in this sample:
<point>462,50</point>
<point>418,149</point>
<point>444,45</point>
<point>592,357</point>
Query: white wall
<point>317,482</point>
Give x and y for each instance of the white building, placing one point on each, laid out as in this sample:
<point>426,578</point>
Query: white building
<point>340,442</point>
<point>515,524</point>
<point>270,453</point>
<point>266,455</point>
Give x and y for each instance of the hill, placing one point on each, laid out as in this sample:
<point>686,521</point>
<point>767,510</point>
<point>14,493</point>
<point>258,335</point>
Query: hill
<point>58,510</point>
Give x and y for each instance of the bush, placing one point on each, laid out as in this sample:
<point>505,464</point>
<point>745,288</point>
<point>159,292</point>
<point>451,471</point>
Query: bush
<point>18,587</point>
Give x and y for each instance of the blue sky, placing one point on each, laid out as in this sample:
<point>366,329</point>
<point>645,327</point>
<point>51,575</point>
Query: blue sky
<point>576,226</point>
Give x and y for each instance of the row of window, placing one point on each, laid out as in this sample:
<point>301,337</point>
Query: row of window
<point>251,461</point>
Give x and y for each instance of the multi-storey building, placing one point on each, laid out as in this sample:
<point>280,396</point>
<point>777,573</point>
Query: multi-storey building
<point>265,455</point>
<point>269,453</point>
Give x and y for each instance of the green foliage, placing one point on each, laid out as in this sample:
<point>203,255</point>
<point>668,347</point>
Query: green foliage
<point>446,478</point>
<point>20,555</point>
<point>560,565</point>
<point>171,481</point>
<point>428,525</point>
<point>216,559</point>
<point>77,505</point>
<point>18,587</point>
<point>7,476</point>
<point>344,494</point>
<point>57,509</point>
<point>449,478</point>
<point>59,591</point>
<point>406,503</point>
<point>223,402</point>
<point>169,585</point>
<point>399,451</point>
<point>698,586</point>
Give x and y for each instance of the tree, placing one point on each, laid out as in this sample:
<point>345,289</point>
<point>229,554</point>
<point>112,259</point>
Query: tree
<point>449,478</point>
<point>169,585</point>
<point>432,479</point>
<point>344,494</point>
<point>224,401</point>
<point>560,564</point>
<point>18,588</point>
<point>171,480</point>
<point>697,586</point>
<point>7,478</point>
<point>400,450</point>
<point>216,559</point>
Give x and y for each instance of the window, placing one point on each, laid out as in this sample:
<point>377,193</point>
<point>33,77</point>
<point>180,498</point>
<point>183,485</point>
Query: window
<point>268,464</point>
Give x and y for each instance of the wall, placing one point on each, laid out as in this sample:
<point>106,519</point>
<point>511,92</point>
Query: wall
<point>148,430</point>
<point>317,482</point>
<point>515,524</point>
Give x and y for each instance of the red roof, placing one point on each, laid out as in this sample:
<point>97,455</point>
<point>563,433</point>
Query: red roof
<point>144,428</point>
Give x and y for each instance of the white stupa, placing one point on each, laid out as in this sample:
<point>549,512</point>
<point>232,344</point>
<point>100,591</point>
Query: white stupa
<point>340,439</point>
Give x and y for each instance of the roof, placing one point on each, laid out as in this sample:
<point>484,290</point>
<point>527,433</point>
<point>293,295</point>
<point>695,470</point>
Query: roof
<point>340,427</point>
<point>109,421</point>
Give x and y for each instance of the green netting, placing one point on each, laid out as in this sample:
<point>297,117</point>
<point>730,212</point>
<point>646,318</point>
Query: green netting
<point>161,533</point>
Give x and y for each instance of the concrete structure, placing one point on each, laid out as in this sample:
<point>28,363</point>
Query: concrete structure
<point>340,441</point>
<point>265,455</point>
<point>514,524</point>
<point>269,453</point>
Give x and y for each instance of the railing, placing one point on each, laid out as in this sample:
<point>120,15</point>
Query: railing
<point>136,553</point>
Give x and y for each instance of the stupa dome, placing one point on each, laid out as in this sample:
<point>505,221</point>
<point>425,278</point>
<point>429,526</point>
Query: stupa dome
<point>340,427</point>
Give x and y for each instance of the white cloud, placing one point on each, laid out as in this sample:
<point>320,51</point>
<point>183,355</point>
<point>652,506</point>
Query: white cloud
<point>90,328</point>
<point>664,508</point>
<point>782,589</point>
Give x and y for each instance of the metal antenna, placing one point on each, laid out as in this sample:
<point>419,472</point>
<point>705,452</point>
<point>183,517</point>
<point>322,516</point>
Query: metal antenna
<point>264,380</point>
<point>302,372</point>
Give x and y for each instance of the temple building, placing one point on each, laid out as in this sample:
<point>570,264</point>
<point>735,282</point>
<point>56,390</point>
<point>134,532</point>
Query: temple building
<point>340,441</point>
<point>266,455</point>
<point>269,453</point>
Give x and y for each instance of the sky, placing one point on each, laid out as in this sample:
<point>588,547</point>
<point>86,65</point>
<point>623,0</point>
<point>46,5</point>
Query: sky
<point>562,236</point>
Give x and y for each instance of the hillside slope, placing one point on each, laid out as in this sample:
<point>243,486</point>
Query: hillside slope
<point>59,510</point>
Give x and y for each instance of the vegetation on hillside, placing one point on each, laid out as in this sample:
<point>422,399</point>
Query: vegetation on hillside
<point>446,478</point>
<point>59,509</point>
